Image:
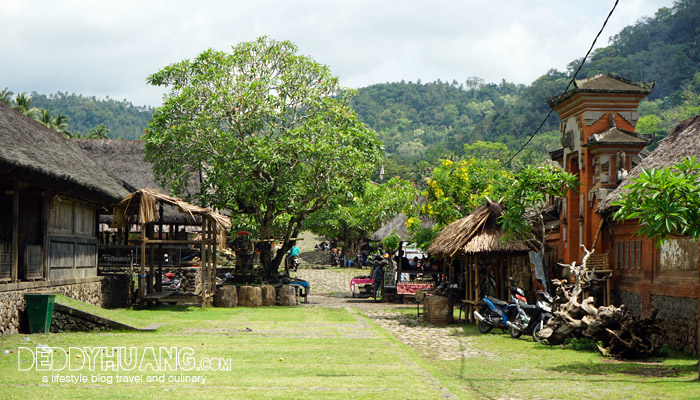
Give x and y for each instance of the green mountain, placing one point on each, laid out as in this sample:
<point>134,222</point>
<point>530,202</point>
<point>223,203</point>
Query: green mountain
<point>421,122</point>
<point>123,119</point>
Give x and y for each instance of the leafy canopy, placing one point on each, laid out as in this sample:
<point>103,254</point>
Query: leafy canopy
<point>269,131</point>
<point>456,188</point>
<point>352,218</point>
<point>527,198</point>
<point>666,201</point>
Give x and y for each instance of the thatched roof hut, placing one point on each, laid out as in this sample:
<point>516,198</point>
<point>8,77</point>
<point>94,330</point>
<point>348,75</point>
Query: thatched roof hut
<point>31,152</point>
<point>143,204</point>
<point>682,142</point>
<point>125,160</point>
<point>478,232</point>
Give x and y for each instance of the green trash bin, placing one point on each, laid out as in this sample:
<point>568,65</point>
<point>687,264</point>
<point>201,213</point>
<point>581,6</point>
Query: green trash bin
<point>39,311</point>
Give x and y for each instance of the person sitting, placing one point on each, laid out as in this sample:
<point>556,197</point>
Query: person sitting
<point>294,255</point>
<point>402,261</point>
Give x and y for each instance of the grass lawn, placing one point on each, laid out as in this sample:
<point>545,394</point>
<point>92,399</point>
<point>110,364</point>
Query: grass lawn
<point>327,353</point>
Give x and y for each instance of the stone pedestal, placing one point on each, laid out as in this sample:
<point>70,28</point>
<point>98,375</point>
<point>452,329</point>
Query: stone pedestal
<point>225,296</point>
<point>250,296</point>
<point>288,295</point>
<point>269,296</point>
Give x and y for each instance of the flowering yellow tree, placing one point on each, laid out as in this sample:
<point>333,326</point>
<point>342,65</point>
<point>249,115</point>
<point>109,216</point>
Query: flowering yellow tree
<point>454,189</point>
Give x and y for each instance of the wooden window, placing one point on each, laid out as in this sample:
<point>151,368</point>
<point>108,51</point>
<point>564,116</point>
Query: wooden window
<point>84,220</point>
<point>61,215</point>
<point>628,255</point>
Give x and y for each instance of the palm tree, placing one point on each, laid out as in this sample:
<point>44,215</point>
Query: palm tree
<point>60,125</point>
<point>98,132</point>
<point>23,104</point>
<point>6,96</point>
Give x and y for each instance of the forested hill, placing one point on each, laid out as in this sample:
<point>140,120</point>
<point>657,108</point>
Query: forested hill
<point>426,121</point>
<point>420,122</point>
<point>123,119</point>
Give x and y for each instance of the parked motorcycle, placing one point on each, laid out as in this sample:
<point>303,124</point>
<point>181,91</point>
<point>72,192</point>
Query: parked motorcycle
<point>496,313</point>
<point>323,246</point>
<point>532,318</point>
<point>290,263</point>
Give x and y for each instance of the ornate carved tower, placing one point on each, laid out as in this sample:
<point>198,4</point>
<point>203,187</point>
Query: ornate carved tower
<point>599,144</point>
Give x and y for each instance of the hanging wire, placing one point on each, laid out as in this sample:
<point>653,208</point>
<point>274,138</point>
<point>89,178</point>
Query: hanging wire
<point>551,109</point>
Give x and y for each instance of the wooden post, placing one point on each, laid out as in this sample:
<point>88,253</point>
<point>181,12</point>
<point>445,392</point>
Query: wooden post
<point>215,240</point>
<point>203,264</point>
<point>15,232</point>
<point>142,275</point>
<point>159,277</point>
<point>45,234</point>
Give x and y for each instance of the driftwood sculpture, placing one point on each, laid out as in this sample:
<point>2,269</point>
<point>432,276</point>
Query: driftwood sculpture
<point>615,330</point>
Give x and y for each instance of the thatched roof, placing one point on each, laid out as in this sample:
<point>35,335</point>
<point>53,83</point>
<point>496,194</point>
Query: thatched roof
<point>682,142</point>
<point>143,204</point>
<point>398,225</point>
<point>33,153</point>
<point>124,159</point>
<point>604,83</point>
<point>478,232</point>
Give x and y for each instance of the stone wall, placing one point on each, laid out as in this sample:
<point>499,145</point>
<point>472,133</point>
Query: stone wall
<point>521,272</point>
<point>679,320</point>
<point>110,291</point>
<point>13,316</point>
<point>190,279</point>
<point>63,322</point>
<point>633,301</point>
<point>117,291</point>
<point>678,317</point>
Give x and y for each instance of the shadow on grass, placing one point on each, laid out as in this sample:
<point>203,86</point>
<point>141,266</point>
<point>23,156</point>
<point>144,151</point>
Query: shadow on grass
<point>166,307</point>
<point>645,370</point>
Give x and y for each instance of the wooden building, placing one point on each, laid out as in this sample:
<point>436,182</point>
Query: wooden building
<point>50,194</point>
<point>648,277</point>
<point>470,245</point>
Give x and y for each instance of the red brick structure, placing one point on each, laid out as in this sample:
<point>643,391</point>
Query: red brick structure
<point>599,144</point>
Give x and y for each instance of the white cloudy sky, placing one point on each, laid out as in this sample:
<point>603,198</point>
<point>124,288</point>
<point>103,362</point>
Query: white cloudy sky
<point>108,48</point>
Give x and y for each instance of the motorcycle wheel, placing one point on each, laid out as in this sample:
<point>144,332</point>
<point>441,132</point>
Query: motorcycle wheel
<point>536,332</point>
<point>483,326</point>
<point>516,333</point>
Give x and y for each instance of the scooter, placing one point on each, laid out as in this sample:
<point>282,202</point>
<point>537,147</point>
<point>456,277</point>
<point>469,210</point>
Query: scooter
<point>497,313</point>
<point>532,318</point>
<point>290,262</point>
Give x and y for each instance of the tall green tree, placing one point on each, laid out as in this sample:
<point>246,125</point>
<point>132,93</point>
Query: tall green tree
<point>456,188</point>
<point>269,130</point>
<point>23,104</point>
<point>527,198</point>
<point>98,132</point>
<point>353,217</point>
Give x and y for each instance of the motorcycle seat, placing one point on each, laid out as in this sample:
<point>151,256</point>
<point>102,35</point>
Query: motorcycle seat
<point>527,306</point>
<point>497,302</point>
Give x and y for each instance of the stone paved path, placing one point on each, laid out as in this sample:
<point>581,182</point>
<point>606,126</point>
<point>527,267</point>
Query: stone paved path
<point>438,342</point>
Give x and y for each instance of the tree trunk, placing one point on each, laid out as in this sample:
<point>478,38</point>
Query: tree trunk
<point>614,329</point>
